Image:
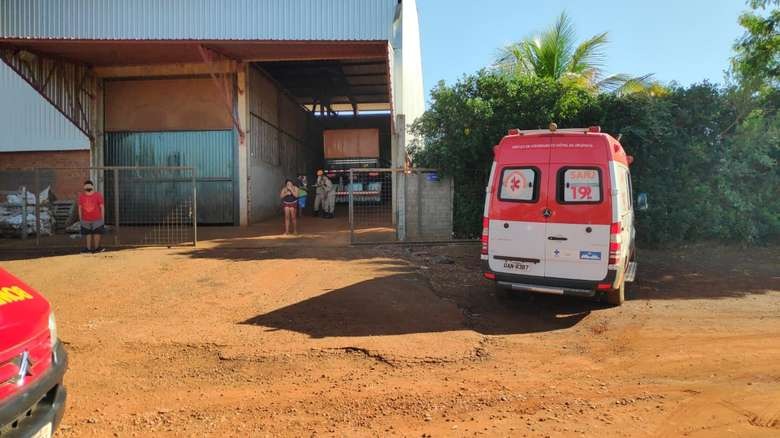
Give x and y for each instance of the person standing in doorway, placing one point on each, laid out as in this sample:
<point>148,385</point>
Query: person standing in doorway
<point>289,197</point>
<point>303,188</point>
<point>324,187</point>
<point>330,200</point>
<point>91,217</point>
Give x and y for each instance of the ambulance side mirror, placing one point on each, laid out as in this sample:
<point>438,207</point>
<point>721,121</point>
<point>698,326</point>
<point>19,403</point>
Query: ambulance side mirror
<point>642,202</point>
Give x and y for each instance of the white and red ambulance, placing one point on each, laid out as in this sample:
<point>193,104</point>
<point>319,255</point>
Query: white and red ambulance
<point>559,216</point>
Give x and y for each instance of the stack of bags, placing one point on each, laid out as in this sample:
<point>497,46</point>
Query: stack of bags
<point>12,220</point>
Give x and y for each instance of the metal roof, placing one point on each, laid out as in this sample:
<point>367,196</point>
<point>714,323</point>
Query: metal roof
<point>136,52</point>
<point>333,82</point>
<point>291,20</point>
<point>29,123</point>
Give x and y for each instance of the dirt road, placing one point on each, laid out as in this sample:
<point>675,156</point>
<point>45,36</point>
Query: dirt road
<point>375,341</point>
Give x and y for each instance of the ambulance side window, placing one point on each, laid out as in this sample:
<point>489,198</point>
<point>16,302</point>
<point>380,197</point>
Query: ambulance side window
<point>630,193</point>
<point>579,185</point>
<point>519,184</point>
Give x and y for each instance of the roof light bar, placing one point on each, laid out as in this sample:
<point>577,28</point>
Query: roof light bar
<point>592,129</point>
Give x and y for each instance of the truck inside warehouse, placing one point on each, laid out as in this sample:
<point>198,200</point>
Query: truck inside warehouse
<point>347,149</point>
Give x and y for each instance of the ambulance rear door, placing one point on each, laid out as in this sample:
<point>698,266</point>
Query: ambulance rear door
<point>578,230</point>
<point>517,228</point>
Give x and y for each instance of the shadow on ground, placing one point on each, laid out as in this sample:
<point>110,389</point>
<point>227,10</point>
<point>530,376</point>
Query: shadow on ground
<point>404,303</point>
<point>294,252</point>
<point>706,272</point>
<point>423,297</point>
<point>41,253</point>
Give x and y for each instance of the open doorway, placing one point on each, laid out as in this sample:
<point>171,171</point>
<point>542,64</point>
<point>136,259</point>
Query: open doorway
<point>333,116</point>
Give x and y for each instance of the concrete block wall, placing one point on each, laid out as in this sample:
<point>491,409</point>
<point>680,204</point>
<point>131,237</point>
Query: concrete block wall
<point>429,200</point>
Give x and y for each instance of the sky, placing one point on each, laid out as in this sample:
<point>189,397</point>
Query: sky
<point>687,41</point>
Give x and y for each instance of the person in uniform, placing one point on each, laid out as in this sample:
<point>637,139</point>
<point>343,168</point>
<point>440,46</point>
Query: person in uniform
<point>323,187</point>
<point>330,200</point>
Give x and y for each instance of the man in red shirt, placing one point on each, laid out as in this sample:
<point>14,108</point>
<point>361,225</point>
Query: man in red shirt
<point>91,211</point>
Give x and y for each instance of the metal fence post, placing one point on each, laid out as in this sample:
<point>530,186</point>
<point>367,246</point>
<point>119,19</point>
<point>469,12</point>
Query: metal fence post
<point>420,182</point>
<point>194,209</point>
<point>24,212</point>
<point>401,206</point>
<point>116,206</point>
<point>351,208</point>
<point>37,208</point>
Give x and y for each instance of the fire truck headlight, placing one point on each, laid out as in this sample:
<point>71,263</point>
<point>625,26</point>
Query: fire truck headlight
<point>53,330</point>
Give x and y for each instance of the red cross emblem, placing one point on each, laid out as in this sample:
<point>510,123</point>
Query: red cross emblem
<point>515,181</point>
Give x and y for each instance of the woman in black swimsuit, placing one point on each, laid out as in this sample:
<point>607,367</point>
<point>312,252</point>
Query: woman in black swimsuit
<point>289,197</point>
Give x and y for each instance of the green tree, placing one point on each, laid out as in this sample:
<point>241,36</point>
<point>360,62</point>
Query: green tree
<point>706,155</point>
<point>757,55</point>
<point>750,178</point>
<point>464,121</point>
<point>703,185</point>
<point>555,54</point>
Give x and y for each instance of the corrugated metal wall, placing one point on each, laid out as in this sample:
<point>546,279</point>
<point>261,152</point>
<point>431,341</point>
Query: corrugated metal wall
<point>211,153</point>
<point>198,19</point>
<point>278,146</point>
<point>29,123</point>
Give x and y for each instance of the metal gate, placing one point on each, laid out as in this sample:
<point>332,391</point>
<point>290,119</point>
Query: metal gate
<point>409,205</point>
<point>370,196</point>
<point>144,206</point>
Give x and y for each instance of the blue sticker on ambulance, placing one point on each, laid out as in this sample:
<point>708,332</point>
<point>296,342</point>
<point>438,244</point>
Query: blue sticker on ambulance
<point>590,255</point>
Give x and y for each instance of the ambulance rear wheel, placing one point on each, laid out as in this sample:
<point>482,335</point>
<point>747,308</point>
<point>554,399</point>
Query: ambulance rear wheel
<point>618,296</point>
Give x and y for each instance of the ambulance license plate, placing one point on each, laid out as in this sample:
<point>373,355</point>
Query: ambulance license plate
<point>44,432</point>
<point>516,266</point>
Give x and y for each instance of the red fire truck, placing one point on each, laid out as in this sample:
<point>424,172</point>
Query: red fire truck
<point>32,362</point>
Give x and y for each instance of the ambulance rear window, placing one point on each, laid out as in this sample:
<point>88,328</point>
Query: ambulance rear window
<point>579,185</point>
<point>519,184</point>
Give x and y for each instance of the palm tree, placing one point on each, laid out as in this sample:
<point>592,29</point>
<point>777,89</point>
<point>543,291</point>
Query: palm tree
<point>555,54</point>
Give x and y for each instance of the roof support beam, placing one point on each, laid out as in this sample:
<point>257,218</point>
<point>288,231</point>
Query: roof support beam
<point>178,69</point>
<point>69,87</point>
<point>221,82</point>
<point>344,107</point>
<point>317,65</point>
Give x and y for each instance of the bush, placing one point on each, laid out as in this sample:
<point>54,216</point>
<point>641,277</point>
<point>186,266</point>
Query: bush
<point>703,185</point>
<point>458,133</point>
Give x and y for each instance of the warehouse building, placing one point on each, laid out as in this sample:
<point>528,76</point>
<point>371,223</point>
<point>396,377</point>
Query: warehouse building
<point>241,90</point>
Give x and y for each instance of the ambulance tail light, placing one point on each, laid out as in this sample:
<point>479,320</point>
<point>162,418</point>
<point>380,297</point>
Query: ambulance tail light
<point>604,286</point>
<point>485,227</point>
<point>490,275</point>
<point>615,241</point>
